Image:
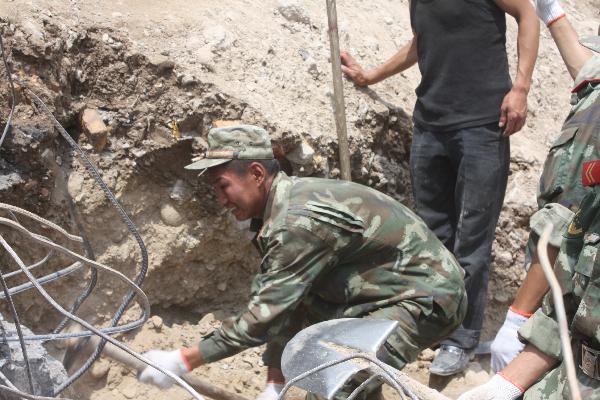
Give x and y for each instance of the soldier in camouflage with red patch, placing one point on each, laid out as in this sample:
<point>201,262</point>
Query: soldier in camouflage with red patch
<point>560,190</point>
<point>539,373</point>
<point>329,249</point>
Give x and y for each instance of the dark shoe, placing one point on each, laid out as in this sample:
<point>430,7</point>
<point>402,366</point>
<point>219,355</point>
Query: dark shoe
<point>450,360</point>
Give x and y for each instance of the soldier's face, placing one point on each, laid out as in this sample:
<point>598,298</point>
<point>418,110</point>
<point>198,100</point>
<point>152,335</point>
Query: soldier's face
<point>241,193</point>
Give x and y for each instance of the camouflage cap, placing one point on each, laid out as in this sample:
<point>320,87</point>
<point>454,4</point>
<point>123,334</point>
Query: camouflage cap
<point>239,142</point>
<point>592,43</point>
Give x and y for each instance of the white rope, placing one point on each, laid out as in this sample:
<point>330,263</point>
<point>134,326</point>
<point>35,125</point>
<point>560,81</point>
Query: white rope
<point>561,316</point>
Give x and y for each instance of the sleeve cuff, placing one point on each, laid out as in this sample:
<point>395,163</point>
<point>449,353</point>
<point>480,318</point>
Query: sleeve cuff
<point>555,213</point>
<point>542,332</point>
<point>213,349</point>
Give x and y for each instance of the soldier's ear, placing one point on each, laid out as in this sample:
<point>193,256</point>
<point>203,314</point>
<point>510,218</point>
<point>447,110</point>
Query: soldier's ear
<point>258,173</point>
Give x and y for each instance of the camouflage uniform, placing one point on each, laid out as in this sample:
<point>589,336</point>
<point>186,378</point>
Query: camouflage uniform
<point>337,249</point>
<point>578,271</point>
<point>560,190</point>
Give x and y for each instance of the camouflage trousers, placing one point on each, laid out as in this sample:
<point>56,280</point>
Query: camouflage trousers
<point>417,330</point>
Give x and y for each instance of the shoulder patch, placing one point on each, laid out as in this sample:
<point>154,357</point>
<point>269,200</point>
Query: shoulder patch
<point>590,173</point>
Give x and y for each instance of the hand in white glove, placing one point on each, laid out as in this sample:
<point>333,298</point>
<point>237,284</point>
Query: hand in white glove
<point>271,391</point>
<point>549,11</point>
<point>497,388</point>
<point>506,344</point>
<point>172,361</point>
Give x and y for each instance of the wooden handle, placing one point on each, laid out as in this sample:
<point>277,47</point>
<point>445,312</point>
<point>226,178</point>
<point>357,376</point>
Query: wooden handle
<point>200,385</point>
<point>422,391</point>
<point>338,91</point>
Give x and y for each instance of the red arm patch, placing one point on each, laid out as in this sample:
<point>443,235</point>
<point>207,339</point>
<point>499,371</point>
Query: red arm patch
<point>590,174</point>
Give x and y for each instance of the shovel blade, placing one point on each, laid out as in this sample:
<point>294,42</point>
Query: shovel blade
<point>331,341</point>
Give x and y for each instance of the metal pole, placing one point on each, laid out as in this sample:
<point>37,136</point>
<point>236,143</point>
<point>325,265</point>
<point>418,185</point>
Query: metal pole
<point>338,91</point>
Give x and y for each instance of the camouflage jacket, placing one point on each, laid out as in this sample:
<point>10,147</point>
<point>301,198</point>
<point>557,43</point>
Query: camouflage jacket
<point>577,269</point>
<point>345,244</point>
<point>578,142</point>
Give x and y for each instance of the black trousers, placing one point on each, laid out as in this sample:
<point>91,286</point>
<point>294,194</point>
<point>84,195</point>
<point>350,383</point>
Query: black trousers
<point>459,179</point>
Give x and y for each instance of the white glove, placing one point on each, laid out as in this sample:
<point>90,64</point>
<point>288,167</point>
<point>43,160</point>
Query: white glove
<point>497,388</point>
<point>172,361</point>
<point>271,391</point>
<point>506,344</point>
<point>549,11</point>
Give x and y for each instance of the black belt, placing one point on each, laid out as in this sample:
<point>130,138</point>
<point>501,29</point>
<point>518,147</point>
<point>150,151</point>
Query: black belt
<point>590,361</point>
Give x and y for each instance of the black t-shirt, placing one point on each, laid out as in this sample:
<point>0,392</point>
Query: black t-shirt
<point>461,46</point>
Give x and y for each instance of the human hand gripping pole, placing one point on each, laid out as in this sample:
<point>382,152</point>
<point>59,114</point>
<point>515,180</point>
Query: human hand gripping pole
<point>497,388</point>
<point>173,361</point>
<point>190,355</point>
<point>549,11</point>
<point>353,70</point>
<point>274,386</point>
<point>271,391</point>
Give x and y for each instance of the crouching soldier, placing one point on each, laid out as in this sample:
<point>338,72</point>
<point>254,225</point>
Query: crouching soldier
<point>330,249</point>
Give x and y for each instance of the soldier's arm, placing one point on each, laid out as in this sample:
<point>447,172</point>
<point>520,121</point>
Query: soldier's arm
<point>293,260</point>
<point>572,52</point>
<point>531,293</point>
<point>529,366</point>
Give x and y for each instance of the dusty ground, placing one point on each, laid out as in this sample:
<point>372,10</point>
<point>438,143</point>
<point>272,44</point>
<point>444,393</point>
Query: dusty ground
<point>146,65</point>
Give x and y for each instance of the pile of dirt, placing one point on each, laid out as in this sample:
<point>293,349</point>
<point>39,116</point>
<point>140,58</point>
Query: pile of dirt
<point>139,87</point>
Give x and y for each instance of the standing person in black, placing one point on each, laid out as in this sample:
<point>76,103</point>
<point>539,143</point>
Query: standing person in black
<point>466,110</point>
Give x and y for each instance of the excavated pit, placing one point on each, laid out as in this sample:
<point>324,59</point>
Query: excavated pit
<point>152,118</point>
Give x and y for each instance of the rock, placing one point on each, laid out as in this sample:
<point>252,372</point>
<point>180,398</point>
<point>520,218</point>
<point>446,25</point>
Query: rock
<point>188,80</point>
<point>313,68</point>
<point>94,128</point>
<point>222,286</point>
<point>293,10</point>
<point>180,192</point>
<point>427,355</point>
<point>501,297</point>
<point>205,56</point>
<point>162,64</point>
<point>157,322</point>
<point>75,184</point>
<point>503,259</point>
<point>218,38</point>
<point>100,369</point>
<point>304,54</point>
<point>170,215</point>
<point>34,33</point>
<point>130,391</point>
<point>10,180</point>
<point>48,373</point>
<point>165,67</point>
<point>116,45</point>
<point>118,235</point>
<point>302,154</point>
